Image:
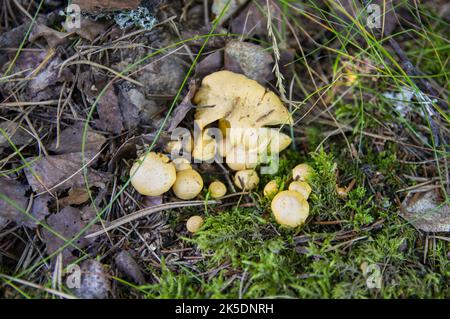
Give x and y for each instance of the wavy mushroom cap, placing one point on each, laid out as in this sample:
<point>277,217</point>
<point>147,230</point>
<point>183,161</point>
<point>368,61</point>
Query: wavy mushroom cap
<point>302,188</point>
<point>153,174</point>
<point>270,189</point>
<point>239,158</point>
<point>188,184</point>
<point>302,172</point>
<point>246,179</point>
<point>239,100</point>
<point>194,224</point>
<point>290,208</point>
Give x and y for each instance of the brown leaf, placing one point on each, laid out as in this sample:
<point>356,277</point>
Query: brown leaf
<point>14,192</point>
<point>76,196</point>
<point>67,223</point>
<point>110,5</point>
<point>54,38</point>
<point>426,211</point>
<point>210,64</point>
<point>249,59</point>
<point>109,112</point>
<point>183,108</point>
<point>16,133</point>
<point>70,140</point>
<point>60,172</point>
<point>46,84</point>
<point>219,5</point>
<point>253,20</point>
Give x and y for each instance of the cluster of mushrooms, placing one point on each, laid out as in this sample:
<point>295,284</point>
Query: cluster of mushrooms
<point>290,208</point>
<point>245,113</point>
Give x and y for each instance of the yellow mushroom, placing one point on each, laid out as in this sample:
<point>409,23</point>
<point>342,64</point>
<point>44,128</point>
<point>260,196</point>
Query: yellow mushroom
<point>246,179</point>
<point>239,100</point>
<point>266,140</point>
<point>188,184</point>
<point>174,147</point>
<point>270,189</point>
<point>194,224</point>
<point>181,164</point>
<point>302,188</point>
<point>290,208</point>
<point>153,175</point>
<point>217,189</point>
<point>302,172</point>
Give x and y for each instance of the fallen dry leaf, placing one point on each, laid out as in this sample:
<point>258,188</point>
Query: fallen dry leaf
<point>61,172</point>
<point>68,223</point>
<point>183,108</point>
<point>109,112</point>
<point>76,196</point>
<point>11,39</point>
<point>46,84</point>
<point>210,64</point>
<point>15,132</point>
<point>253,19</point>
<point>219,5</point>
<point>426,211</point>
<point>70,140</point>
<point>90,30</point>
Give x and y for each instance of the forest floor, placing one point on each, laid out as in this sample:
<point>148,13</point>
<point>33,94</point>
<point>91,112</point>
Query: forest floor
<point>368,95</point>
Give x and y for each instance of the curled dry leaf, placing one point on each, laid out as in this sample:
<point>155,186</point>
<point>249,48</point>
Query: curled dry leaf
<point>54,38</point>
<point>249,59</point>
<point>47,83</point>
<point>71,138</point>
<point>67,223</point>
<point>426,211</point>
<point>128,265</point>
<point>60,172</point>
<point>12,39</point>
<point>76,196</point>
<point>253,19</point>
<point>95,282</point>
<point>210,64</point>
<point>183,108</point>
